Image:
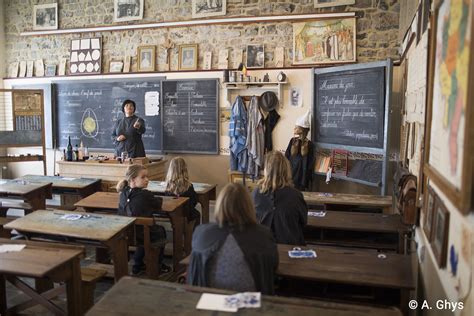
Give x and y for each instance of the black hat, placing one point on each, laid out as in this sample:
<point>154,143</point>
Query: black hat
<point>268,101</point>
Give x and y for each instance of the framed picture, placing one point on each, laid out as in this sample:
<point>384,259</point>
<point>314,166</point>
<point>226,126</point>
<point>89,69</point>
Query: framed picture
<point>203,8</point>
<point>440,233</point>
<point>50,70</point>
<point>255,56</point>
<point>448,158</point>
<point>128,10</point>
<point>13,70</point>
<point>39,68</point>
<point>116,66</point>
<point>85,56</point>
<point>146,58</point>
<point>428,210</point>
<point>188,55</point>
<point>45,16</point>
<point>328,41</point>
<point>332,3</point>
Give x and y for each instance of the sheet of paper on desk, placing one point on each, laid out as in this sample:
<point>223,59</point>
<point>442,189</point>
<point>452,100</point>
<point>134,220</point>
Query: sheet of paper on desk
<point>215,302</point>
<point>71,217</point>
<point>68,179</point>
<point>317,214</point>
<point>302,254</point>
<point>3,181</point>
<point>11,248</point>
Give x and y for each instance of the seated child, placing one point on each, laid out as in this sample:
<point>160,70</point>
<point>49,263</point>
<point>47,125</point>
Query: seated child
<point>135,200</point>
<point>178,184</point>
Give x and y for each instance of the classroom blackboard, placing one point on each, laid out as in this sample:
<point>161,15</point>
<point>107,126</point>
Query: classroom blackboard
<point>349,106</point>
<point>88,109</point>
<point>190,116</point>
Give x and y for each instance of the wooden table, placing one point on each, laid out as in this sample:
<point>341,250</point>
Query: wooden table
<point>102,230</point>
<point>77,187</point>
<point>356,200</point>
<point>343,266</point>
<point>377,224</point>
<point>351,267</point>
<point>174,208</point>
<point>54,262</point>
<point>110,172</point>
<point>205,193</point>
<point>34,195</point>
<point>183,299</point>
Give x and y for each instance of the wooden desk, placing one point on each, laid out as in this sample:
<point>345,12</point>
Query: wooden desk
<point>42,260</point>
<point>34,195</point>
<point>104,230</point>
<point>361,222</point>
<point>351,267</point>
<point>205,193</point>
<point>144,294</point>
<point>77,187</point>
<point>174,207</point>
<point>109,172</point>
<point>356,200</point>
<point>344,266</point>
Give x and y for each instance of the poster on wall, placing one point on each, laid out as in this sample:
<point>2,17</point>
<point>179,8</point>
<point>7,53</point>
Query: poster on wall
<point>85,56</point>
<point>448,160</point>
<point>204,8</point>
<point>324,42</point>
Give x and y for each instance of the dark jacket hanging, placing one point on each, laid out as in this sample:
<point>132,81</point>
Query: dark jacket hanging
<point>285,212</point>
<point>256,243</point>
<point>269,123</point>
<point>302,165</point>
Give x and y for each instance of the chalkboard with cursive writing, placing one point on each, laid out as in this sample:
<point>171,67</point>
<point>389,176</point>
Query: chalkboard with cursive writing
<point>190,116</point>
<point>88,109</point>
<point>349,106</point>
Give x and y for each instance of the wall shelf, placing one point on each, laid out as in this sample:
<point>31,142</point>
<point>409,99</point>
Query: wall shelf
<point>252,88</point>
<point>229,20</point>
<point>6,159</point>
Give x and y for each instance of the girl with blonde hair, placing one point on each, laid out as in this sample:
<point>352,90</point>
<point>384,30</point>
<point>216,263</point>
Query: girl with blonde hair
<point>178,184</point>
<point>136,200</point>
<point>235,253</point>
<point>278,205</point>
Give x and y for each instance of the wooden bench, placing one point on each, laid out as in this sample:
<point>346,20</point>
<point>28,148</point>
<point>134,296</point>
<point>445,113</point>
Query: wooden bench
<point>89,277</point>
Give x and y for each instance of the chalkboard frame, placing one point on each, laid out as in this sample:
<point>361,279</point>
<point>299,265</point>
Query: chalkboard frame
<point>386,99</point>
<point>387,64</point>
<point>217,119</point>
<point>54,84</point>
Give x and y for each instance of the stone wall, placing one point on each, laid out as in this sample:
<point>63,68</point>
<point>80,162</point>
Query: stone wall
<point>377,30</point>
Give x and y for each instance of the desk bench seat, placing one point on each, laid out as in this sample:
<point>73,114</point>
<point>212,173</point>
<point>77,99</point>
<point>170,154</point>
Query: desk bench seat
<point>89,277</point>
<point>5,233</point>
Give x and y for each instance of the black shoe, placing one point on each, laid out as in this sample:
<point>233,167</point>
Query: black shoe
<point>164,268</point>
<point>138,270</point>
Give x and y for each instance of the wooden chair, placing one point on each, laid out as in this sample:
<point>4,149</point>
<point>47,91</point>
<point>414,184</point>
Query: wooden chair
<point>238,177</point>
<point>89,277</point>
<point>152,250</point>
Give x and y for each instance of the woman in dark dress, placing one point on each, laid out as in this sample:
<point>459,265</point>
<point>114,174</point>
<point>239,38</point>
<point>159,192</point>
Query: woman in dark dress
<point>279,206</point>
<point>128,131</point>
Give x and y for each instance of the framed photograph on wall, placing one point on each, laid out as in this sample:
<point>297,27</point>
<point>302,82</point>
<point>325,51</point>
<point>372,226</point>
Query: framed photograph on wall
<point>428,211</point>
<point>115,66</point>
<point>328,41</point>
<point>188,56</point>
<point>449,134</point>
<point>50,70</point>
<point>146,58</point>
<point>332,3</point>
<point>128,10</point>
<point>255,56</point>
<point>45,16</point>
<point>204,8</point>
<point>439,242</point>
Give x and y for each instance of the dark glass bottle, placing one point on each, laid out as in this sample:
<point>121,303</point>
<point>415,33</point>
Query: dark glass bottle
<point>69,150</point>
<point>76,152</point>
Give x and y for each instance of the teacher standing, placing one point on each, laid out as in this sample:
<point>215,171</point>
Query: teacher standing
<point>128,131</point>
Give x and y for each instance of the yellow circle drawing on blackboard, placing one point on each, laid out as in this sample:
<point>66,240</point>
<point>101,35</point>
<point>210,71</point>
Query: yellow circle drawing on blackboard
<point>89,124</point>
